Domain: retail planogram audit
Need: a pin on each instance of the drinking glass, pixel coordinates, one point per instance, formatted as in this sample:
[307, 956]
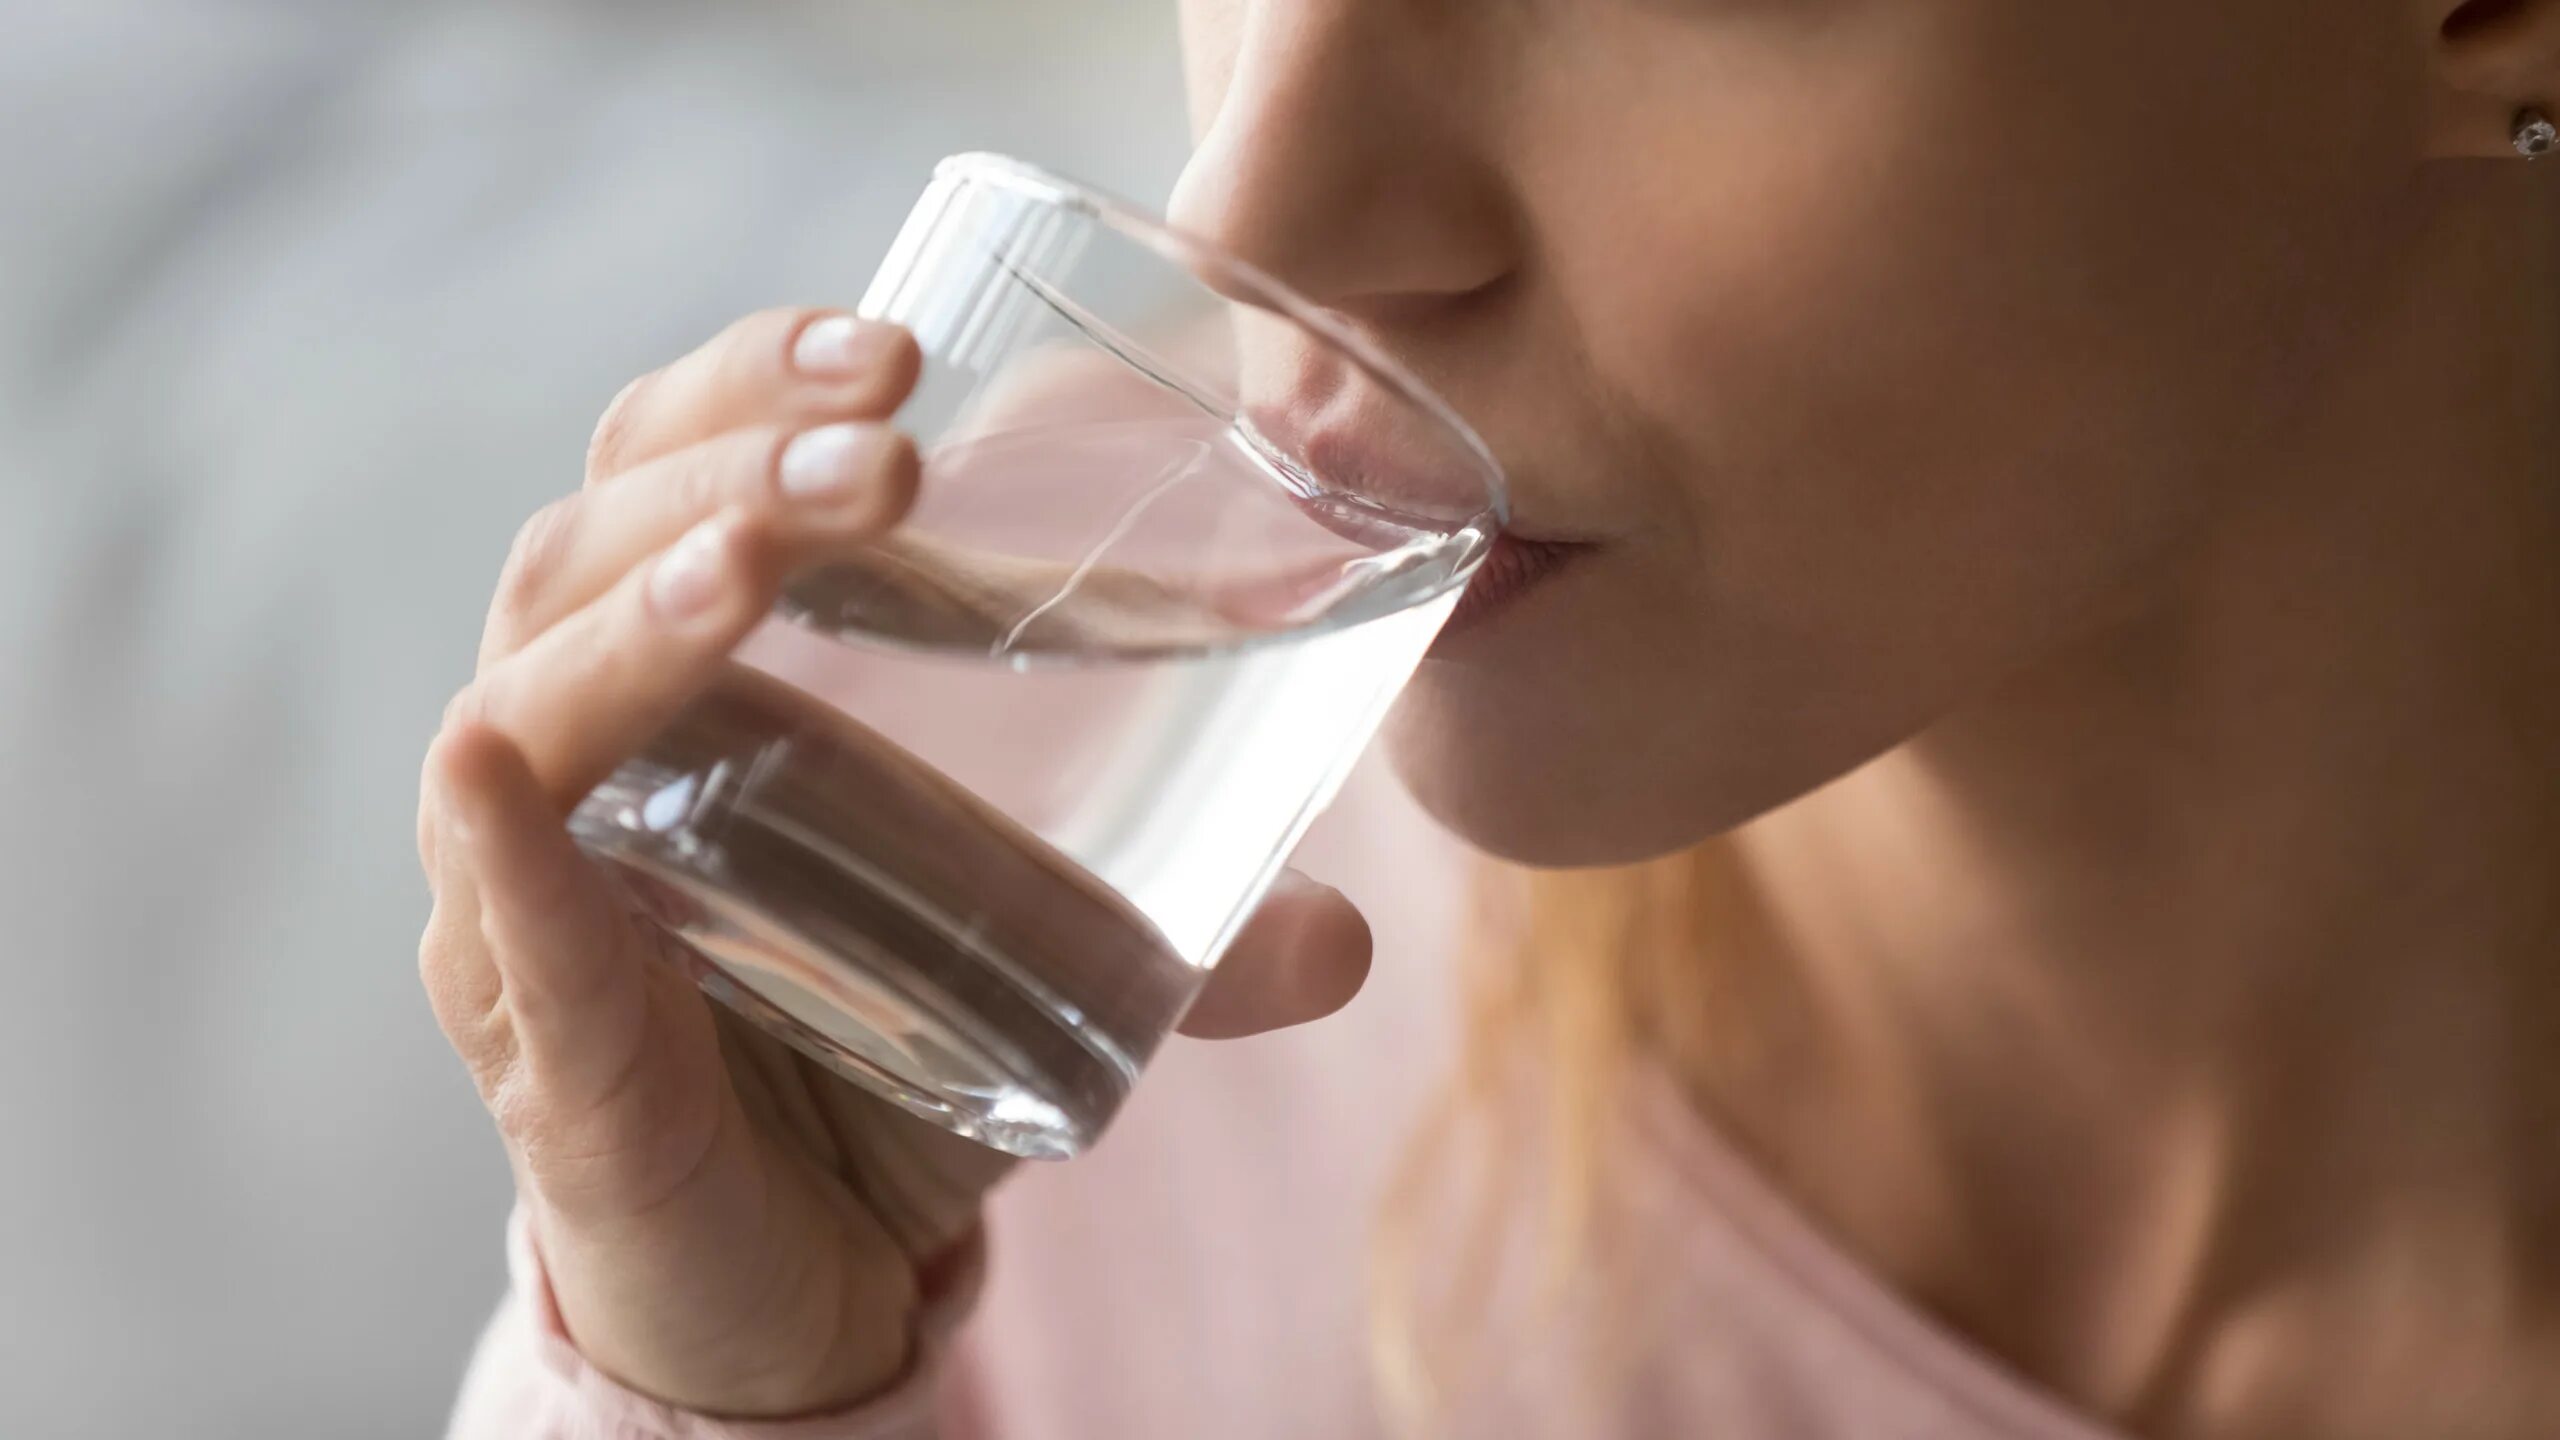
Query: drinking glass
[972, 816]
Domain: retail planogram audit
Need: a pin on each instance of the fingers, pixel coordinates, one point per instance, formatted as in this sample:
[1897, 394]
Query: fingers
[554, 938]
[793, 366]
[533, 885]
[600, 1063]
[588, 693]
[828, 486]
[1303, 956]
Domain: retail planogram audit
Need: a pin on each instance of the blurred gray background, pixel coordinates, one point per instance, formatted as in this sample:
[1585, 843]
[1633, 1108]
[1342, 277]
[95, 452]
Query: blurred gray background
[302, 307]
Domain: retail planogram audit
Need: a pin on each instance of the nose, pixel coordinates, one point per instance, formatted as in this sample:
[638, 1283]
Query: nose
[1337, 159]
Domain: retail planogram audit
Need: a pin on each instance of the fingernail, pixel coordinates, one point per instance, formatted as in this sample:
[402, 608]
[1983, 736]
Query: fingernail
[833, 347]
[688, 577]
[829, 462]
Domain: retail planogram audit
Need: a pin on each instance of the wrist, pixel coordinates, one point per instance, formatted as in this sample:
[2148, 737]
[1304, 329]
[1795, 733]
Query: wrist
[729, 1337]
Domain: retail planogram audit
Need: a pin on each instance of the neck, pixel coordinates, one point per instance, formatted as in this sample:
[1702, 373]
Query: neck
[2179, 1019]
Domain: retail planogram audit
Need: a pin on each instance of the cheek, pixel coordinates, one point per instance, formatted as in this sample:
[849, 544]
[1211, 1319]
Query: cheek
[1952, 310]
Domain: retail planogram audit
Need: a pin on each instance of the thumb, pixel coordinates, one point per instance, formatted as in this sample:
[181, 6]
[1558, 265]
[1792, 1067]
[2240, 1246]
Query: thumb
[1301, 957]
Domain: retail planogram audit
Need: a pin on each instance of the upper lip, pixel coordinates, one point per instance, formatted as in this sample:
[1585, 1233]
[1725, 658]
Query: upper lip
[1388, 473]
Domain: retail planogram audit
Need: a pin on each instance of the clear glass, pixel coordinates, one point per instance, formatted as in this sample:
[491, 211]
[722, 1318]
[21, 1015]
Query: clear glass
[972, 817]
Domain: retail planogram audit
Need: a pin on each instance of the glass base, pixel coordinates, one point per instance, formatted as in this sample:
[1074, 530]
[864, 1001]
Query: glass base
[875, 1023]
[877, 917]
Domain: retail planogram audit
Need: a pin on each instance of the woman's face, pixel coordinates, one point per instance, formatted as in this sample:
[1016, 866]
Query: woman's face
[1875, 348]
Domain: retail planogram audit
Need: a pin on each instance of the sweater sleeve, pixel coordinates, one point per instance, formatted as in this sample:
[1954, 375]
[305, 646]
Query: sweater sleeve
[527, 1381]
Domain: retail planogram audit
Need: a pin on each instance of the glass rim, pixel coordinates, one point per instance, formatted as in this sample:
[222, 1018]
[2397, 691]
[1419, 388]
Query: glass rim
[1268, 292]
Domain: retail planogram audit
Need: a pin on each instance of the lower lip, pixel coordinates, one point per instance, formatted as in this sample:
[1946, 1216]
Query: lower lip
[1513, 569]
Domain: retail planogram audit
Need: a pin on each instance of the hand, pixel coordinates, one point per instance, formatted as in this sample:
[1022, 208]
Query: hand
[726, 1226]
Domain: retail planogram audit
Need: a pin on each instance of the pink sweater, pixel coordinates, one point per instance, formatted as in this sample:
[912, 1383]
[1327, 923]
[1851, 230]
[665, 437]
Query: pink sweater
[1201, 1272]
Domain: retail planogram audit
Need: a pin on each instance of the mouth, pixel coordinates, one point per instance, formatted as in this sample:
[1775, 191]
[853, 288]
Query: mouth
[1515, 567]
[1381, 471]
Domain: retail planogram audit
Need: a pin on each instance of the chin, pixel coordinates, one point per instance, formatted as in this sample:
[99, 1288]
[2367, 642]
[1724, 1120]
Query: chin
[1539, 774]
[1507, 788]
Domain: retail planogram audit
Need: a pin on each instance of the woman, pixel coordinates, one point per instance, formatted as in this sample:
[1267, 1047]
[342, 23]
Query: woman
[2040, 710]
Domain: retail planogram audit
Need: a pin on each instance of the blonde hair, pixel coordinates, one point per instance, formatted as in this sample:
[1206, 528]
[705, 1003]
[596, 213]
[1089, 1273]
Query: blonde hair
[1577, 977]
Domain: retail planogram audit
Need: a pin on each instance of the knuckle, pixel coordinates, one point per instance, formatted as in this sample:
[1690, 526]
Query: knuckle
[446, 964]
[430, 791]
[488, 1051]
[518, 1109]
[437, 946]
[611, 443]
[466, 999]
[534, 558]
[732, 472]
[718, 476]
[435, 783]
[467, 707]
[565, 1151]
[429, 853]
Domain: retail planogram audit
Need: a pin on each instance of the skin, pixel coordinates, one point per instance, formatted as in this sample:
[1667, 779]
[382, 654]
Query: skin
[2070, 499]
